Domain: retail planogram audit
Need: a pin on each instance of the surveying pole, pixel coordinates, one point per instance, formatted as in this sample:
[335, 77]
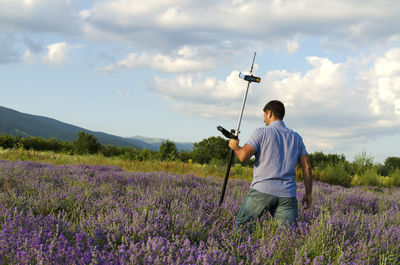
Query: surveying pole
[233, 134]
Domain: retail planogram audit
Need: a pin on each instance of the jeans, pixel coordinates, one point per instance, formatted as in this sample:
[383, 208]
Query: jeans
[283, 209]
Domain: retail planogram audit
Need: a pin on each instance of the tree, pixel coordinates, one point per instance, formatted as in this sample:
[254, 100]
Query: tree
[184, 155]
[109, 150]
[212, 148]
[319, 159]
[7, 141]
[390, 165]
[168, 150]
[86, 144]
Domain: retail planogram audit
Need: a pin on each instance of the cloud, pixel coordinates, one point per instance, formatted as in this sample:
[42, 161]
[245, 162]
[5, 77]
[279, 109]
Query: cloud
[384, 81]
[292, 46]
[25, 23]
[38, 16]
[16, 49]
[28, 57]
[187, 88]
[57, 53]
[329, 108]
[120, 93]
[33, 46]
[9, 53]
[172, 23]
[163, 63]
[216, 29]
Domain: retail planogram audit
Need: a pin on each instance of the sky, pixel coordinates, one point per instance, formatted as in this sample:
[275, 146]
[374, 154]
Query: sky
[169, 69]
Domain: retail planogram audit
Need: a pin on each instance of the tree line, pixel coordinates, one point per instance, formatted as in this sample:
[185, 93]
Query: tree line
[210, 150]
[213, 149]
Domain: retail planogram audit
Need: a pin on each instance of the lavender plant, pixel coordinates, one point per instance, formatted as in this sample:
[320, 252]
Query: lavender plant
[104, 215]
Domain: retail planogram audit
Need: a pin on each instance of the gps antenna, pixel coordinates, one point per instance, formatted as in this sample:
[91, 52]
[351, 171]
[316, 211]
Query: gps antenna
[235, 133]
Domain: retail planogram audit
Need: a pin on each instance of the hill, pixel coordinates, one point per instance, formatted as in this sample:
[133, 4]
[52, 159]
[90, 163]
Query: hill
[156, 142]
[27, 125]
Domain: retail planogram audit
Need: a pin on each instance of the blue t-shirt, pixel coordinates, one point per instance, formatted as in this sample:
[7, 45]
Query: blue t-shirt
[277, 151]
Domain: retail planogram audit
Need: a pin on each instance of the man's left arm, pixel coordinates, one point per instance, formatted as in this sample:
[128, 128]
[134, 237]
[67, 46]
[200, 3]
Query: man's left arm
[243, 153]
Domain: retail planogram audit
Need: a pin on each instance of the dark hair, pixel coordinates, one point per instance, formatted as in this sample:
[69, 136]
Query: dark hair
[276, 107]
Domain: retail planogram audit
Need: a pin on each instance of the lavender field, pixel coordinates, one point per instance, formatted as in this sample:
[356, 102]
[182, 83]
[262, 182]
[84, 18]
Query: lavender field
[104, 215]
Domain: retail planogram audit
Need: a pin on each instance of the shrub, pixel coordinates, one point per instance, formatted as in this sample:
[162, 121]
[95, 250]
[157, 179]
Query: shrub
[395, 178]
[184, 156]
[371, 177]
[361, 163]
[336, 174]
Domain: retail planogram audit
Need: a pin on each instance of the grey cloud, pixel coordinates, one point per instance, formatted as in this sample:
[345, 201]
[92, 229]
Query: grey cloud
[164, 26]
[34, 46]
[8, 51]
[177, 23]
[42, 16]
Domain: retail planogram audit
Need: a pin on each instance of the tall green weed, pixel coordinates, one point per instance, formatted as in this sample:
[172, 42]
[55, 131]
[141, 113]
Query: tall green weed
[394, 178]
[336, 174]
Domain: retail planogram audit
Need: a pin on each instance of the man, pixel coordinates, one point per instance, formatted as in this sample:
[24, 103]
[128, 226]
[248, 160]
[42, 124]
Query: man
[277, 150]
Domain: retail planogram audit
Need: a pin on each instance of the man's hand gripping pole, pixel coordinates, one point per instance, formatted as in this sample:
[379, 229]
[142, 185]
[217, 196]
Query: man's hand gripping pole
[235, 133]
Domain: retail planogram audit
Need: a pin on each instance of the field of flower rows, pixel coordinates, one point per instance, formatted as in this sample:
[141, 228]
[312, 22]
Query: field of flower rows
[104, 215]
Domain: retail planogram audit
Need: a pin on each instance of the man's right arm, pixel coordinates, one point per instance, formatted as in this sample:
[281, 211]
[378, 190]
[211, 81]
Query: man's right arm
[307, 175]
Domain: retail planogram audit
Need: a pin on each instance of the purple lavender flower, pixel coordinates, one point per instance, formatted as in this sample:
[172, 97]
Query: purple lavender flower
[79, 214]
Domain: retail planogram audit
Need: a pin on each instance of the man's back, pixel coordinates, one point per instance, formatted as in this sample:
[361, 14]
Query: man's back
[277, 152]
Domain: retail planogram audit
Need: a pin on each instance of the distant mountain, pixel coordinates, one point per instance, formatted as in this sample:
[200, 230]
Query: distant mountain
[26, 125]
[156, 142]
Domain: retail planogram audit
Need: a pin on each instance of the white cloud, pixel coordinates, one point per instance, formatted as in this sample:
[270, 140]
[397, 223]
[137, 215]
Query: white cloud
[187, 51]
[120, 93]
[315, 86]
[388, 65]
[323, 103]
[28, 57]
[292, 46]
[384, 82]
[124, 94]
[57, 53]
[163, 63]
[187, 88]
